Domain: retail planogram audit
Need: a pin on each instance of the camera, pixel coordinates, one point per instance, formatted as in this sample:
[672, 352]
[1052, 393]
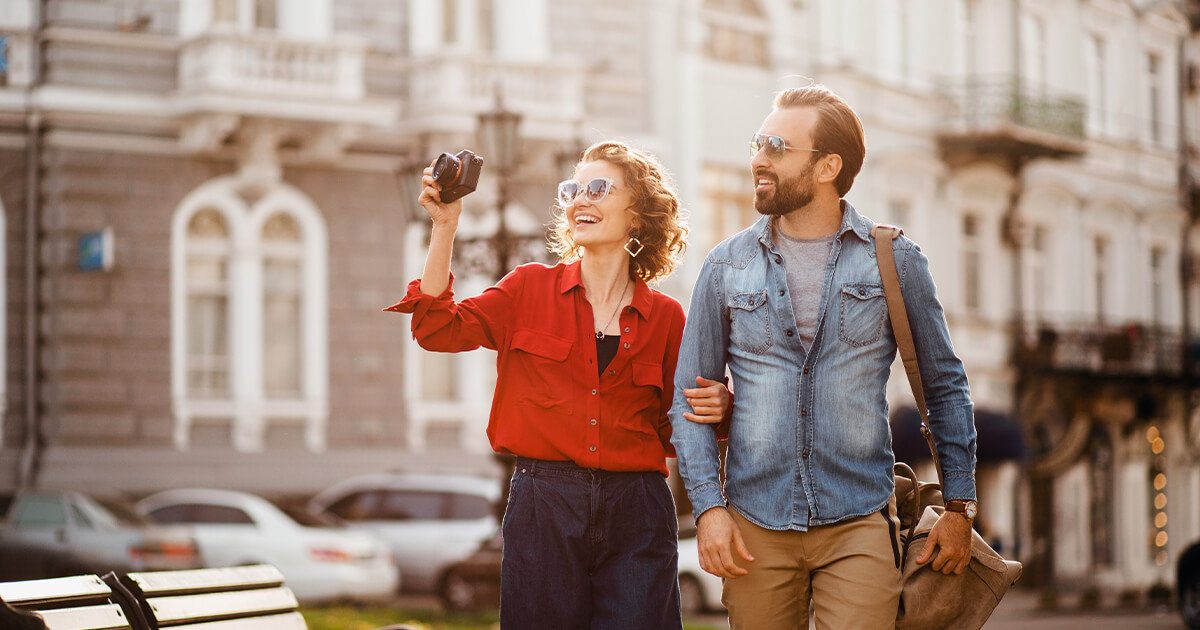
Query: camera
[457, 174]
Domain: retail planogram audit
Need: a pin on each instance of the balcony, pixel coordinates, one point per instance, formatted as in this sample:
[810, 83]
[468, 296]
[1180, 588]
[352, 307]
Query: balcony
[265, 74]
[446, 93]
[1131, 352]
[999, 117]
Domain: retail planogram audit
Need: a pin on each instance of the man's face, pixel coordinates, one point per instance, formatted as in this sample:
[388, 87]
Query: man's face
[786, 183]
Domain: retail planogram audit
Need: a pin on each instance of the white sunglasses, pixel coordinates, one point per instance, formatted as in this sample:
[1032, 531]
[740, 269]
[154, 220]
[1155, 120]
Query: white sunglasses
[594, 191]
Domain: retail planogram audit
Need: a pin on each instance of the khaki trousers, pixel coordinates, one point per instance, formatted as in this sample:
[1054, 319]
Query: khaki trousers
[849, 570]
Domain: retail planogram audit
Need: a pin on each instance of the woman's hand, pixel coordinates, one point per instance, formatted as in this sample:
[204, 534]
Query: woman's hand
[711, 402]
[442, 214]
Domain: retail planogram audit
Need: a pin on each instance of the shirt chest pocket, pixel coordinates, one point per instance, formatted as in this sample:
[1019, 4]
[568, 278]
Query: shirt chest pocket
[539, 363]
[750, 322]
[862, 313]
[647, 402]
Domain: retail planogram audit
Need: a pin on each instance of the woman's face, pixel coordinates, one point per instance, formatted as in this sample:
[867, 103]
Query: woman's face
[604, 222]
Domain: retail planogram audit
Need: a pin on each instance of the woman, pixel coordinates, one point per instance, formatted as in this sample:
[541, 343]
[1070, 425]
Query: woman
[586, 357]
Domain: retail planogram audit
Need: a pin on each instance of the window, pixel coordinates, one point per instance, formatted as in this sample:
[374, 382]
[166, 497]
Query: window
[449, 21]
[282, 331]
[1036, 260]
[1100, 277]
[729, 197]
[900, 214]
[972, 289]
[412, 505]
[468, 506]
[81, 520]
[1034, 45]
[439, 376]
[359, 506]
[1100, 490]
[208, 252]
[485, 13]
[1096, 60]
[40, 512]
[200, 514]
[225, 12]
[249, 295]
[1154, 96]
[736, 32]
[1157, 286]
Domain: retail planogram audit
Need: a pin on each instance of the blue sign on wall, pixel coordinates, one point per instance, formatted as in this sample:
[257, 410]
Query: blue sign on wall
[96, 250]
[3, 55]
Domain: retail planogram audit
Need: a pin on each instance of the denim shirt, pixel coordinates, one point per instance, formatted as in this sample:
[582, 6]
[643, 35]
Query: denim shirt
[809, 442]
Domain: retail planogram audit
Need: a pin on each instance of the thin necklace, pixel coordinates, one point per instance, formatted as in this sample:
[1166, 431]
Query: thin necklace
[600, 333]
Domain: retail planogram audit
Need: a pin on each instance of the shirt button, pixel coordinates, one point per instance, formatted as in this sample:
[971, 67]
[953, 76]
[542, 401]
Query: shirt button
[778, 260]
[626, 344]
[593, 449]
[612, 372]
[804, 412]
[781, 292]
[806, 370]
[593, 392]
[626, 329]
[803, 454]
[593, 422]
[862, 292]
[791, 333]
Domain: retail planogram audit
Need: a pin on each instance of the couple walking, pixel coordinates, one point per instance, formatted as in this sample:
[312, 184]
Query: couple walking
[600, 380]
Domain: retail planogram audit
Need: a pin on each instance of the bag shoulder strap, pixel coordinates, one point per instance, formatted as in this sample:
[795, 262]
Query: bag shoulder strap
[884, 235]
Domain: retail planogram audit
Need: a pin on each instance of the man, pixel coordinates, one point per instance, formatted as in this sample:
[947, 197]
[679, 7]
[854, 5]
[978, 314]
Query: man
[795, 307]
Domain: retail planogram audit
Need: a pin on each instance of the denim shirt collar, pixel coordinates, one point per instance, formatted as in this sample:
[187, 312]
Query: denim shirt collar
[852, 222]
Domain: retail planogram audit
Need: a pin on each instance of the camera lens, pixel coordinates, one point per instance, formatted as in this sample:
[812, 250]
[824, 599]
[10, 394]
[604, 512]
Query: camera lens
[445, 170]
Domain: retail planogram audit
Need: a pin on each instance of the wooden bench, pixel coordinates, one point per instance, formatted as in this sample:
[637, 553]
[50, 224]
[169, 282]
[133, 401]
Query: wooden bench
[237, 598]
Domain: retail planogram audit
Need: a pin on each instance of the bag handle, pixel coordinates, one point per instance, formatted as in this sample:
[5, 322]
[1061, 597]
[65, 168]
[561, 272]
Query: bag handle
[884, 235]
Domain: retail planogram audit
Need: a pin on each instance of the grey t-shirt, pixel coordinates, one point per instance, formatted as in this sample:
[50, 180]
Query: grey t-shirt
[805, 259]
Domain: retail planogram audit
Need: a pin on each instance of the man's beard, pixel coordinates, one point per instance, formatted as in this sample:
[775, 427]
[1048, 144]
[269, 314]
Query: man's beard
[789, 195]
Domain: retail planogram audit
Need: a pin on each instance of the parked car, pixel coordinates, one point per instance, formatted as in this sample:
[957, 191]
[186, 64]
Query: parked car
[57, 534]
[474, 582]
[1187, 584]
[431, 521]
[319, 562]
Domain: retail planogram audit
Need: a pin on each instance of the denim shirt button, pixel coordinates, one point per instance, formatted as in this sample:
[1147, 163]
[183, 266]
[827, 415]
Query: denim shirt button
[806, 370]
[803, 454]
[804, 412]
[862, 292]
[778, 260]
[781, 292]
[791, 333]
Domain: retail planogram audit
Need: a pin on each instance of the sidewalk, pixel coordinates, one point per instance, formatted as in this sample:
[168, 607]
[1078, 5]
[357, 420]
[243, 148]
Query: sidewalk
[1025, 603]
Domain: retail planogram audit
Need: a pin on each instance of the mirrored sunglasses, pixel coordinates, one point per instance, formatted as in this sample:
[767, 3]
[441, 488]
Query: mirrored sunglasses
[594, 191]
[774, 145]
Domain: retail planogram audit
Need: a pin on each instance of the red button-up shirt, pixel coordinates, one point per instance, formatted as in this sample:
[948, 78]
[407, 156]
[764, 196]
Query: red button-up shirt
[549, 402]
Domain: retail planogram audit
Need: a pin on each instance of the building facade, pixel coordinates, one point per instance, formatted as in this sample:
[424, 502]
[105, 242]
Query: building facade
[250, 159]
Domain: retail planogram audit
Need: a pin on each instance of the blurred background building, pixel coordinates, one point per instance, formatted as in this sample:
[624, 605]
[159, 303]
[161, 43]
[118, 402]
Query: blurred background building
[207, 202]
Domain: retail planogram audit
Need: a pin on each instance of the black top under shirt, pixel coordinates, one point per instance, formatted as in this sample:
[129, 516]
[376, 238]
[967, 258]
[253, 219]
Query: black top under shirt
[606, 349]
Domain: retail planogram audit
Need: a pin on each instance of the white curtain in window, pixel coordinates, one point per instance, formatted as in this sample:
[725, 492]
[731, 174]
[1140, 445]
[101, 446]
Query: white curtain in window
[283, 337]
[208, 251]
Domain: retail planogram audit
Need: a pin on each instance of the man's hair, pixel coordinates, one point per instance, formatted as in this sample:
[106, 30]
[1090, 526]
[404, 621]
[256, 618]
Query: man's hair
[838, 129]
[661, 228]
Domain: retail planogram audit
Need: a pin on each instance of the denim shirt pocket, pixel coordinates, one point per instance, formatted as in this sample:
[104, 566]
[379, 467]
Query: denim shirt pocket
[862, 311]
[647, 385]
[750, 321]
[540, 361]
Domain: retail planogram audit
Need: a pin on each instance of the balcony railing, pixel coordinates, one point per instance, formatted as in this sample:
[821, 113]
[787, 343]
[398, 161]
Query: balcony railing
[999, 114]
[269, 65]
[457, 85]
[1131, 351]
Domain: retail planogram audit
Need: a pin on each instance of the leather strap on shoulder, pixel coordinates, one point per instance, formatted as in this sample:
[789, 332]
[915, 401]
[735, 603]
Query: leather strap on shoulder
[884, 235]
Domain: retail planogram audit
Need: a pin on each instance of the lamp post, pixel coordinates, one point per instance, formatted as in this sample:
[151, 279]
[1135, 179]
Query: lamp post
[500, 144]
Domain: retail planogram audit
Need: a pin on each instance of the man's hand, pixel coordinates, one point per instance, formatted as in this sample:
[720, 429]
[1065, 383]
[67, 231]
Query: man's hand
[717, 535]
[951, 535]
[710, 402]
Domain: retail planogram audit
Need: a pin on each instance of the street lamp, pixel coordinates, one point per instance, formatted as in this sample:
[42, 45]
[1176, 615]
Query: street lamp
[500, 144]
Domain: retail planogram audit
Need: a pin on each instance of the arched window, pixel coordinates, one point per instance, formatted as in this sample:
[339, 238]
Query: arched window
[1101, 485]
[208, 256]
[249, 313]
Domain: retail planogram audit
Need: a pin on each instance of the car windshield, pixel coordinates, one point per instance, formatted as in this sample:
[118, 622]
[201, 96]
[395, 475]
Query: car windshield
[120, 512]
[310, 520]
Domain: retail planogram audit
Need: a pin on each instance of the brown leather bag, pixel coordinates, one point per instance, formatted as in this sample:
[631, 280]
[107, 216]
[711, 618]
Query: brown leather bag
[931, 600]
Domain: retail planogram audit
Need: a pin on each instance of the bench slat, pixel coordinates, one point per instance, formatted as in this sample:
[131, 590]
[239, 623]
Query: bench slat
[289, 621]
[207, 580]
[178, 609]
[79, 588]
[105, 617]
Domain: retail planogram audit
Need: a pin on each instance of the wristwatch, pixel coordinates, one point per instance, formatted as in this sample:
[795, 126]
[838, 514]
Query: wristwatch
[967, 508]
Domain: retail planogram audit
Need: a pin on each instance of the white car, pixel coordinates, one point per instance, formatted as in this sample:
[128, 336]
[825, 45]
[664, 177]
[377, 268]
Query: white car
[318, 562]
[699, 590]
[430, 521]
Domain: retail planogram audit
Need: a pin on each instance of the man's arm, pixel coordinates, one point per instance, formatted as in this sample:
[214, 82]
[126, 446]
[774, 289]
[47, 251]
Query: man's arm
[951, 414]
[703, 352]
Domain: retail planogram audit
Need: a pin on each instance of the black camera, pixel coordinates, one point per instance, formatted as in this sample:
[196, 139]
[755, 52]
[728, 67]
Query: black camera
[457, 174]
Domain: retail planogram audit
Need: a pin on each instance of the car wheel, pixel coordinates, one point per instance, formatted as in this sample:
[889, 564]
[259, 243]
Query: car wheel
[691, 595]
[457, 593]
[1189, 600]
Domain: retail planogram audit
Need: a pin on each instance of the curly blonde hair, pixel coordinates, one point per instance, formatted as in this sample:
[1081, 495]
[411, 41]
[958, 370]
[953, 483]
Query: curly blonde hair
[660, 221]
